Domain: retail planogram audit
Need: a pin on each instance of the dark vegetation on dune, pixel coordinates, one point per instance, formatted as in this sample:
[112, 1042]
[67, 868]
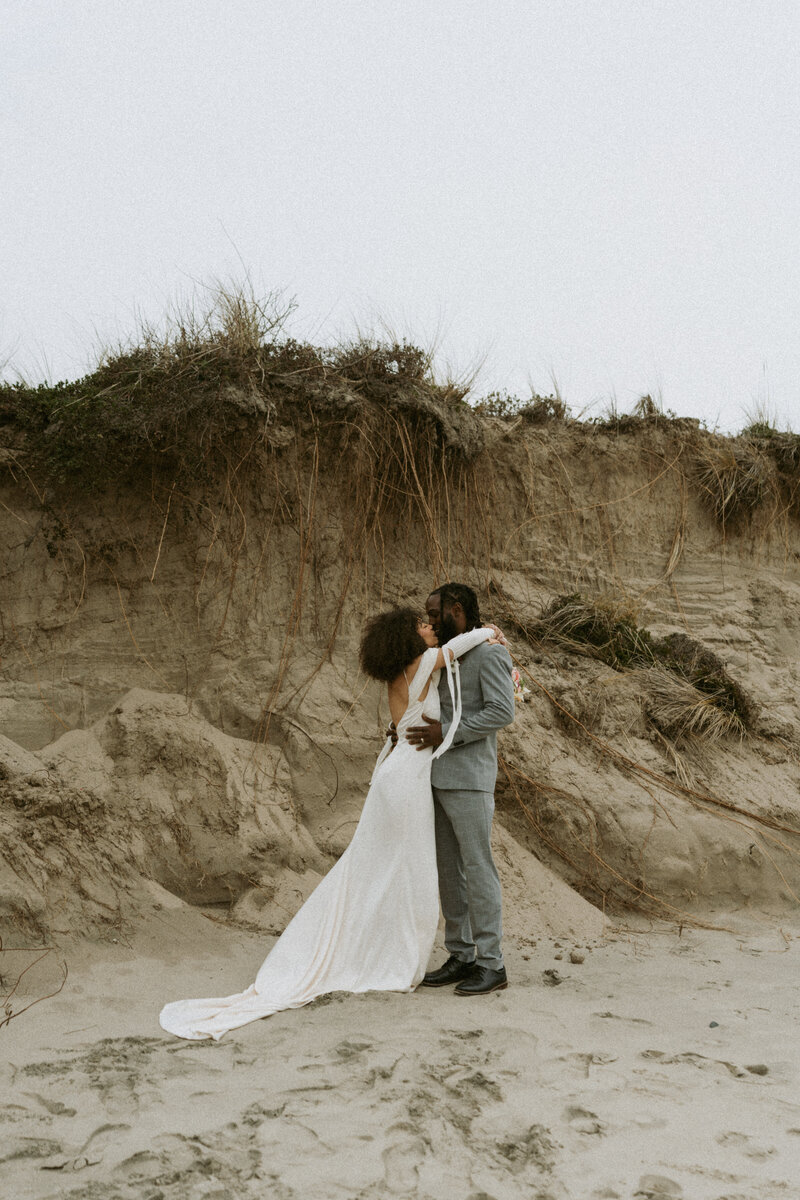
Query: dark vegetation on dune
[607, 629]
[206, 392]
[199, 391]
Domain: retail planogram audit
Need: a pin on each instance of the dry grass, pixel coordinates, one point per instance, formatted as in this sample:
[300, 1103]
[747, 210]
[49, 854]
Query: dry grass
[535, 410]
[681, 711]
[734, 480]
[646, 408]
[604, 627]
[205, 384]
[691, 661]
[647, 411]
[785, 451]
[704, 700]
[761, 420]
[229, 318]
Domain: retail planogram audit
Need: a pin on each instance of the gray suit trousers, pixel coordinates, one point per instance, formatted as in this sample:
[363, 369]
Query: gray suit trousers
[469, 886]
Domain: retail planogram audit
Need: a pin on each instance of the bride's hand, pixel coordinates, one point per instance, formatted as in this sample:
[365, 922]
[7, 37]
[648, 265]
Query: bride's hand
[499, 638]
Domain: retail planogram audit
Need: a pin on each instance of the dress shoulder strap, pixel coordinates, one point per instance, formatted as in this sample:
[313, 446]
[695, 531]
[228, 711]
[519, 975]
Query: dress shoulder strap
[423, 673]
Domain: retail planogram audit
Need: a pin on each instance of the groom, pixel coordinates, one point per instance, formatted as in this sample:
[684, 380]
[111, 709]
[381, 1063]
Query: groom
[463, 780]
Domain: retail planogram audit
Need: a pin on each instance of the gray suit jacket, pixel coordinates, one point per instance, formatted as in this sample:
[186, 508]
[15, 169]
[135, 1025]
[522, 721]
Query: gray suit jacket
[487, 704]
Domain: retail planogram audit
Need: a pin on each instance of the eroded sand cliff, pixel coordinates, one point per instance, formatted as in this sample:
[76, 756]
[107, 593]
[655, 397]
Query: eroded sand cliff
[182, 702]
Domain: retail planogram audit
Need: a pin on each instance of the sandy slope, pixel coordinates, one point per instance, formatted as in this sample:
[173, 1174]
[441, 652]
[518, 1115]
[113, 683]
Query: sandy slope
[612, 1082]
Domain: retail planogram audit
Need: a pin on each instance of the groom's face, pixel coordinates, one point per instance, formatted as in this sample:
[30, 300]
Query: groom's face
[444, 620]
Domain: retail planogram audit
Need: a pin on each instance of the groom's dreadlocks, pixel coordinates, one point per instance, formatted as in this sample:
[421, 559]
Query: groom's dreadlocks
[450, 593]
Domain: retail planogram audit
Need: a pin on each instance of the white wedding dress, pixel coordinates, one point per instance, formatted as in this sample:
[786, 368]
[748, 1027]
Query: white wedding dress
[370, 924]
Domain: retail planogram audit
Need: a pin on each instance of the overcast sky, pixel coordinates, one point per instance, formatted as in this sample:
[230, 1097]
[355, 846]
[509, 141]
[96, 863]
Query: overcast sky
[604, 191]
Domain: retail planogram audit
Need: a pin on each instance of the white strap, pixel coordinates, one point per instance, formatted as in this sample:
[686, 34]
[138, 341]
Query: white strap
[454, 685]
[459, 645]
[462, 642]
[422, 673]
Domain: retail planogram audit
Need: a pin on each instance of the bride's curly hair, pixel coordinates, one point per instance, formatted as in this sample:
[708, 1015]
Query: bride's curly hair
[391, 640]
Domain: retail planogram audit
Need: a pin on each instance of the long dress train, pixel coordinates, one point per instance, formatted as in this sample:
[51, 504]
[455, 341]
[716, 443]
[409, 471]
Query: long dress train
[370, 924]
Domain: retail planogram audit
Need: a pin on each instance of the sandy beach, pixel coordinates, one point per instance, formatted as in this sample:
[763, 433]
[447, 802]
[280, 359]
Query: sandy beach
[660, 1065]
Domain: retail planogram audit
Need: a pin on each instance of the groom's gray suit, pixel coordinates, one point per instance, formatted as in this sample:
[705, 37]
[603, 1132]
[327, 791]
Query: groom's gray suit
[463, 781]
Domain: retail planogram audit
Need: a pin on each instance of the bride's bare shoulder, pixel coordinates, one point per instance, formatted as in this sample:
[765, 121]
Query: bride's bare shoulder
[410, 671]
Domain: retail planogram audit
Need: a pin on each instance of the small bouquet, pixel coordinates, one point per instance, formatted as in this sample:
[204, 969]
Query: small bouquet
[520, 690]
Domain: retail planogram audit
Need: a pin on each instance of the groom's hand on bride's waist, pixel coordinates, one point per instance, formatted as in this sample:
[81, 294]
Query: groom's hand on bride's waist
[427, 735]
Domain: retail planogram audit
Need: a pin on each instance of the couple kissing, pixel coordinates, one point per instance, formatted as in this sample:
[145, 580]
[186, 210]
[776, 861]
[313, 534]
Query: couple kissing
[371, 922]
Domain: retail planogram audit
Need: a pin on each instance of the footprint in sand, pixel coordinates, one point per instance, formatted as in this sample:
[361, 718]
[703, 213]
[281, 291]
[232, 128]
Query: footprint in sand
[657, 1187]
[10, 1113]
[583, 1061]
[102, 1139]
[178, 1166]
[71, 1165]
[92, 1150]
[54, 1107]
[346, 1051]
[746, 1145]
[73, 1158]
[612, 1016]
[118, 1070]
[697, 1060]
[401, 1162]
[30, 1147]
[534, 1148]
[583, 1121]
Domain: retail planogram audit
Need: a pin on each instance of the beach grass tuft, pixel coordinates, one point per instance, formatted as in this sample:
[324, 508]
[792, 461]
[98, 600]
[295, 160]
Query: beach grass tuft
[734, 479]
[687, 687]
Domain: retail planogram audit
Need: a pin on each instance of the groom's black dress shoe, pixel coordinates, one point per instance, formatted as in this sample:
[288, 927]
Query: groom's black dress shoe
[453, 971]
[482, 980]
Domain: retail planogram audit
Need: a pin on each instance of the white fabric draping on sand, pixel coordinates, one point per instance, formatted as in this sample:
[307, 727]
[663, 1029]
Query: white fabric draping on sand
[371, 922]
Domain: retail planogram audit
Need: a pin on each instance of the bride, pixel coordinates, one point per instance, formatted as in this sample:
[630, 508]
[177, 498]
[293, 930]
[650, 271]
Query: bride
[370, 924]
